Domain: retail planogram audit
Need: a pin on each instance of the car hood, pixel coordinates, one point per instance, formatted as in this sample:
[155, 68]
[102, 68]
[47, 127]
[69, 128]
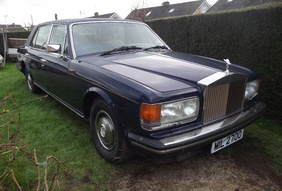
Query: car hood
[161, 72]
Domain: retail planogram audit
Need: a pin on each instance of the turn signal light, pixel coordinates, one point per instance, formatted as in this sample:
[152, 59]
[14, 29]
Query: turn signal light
[150, 112]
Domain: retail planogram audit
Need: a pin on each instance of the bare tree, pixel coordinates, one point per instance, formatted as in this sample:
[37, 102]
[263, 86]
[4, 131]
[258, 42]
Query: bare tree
[138, 11]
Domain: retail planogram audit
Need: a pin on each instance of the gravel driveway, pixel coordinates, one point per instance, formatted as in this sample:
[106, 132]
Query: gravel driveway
[237, 168]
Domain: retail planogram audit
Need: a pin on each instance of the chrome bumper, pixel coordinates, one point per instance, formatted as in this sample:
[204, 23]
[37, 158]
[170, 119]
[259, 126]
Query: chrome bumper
[197, 138]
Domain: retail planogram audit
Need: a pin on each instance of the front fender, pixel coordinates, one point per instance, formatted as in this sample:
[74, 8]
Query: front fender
[93, 93]
[22, 66]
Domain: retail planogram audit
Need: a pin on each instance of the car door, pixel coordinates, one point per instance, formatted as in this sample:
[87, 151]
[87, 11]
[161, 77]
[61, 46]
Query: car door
[36, 50]
[55, 63]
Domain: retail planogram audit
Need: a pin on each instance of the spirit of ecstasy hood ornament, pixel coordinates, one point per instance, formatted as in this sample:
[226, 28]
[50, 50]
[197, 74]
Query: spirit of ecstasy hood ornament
[227, 65]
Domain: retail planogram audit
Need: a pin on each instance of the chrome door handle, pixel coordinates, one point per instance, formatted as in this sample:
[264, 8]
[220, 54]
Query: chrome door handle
[43, 61]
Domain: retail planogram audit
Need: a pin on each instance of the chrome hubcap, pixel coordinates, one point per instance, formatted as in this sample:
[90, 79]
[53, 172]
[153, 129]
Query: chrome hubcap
[105, 130]
[29, 81]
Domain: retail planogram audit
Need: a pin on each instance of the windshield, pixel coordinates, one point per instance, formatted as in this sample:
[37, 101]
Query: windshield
[99, 37]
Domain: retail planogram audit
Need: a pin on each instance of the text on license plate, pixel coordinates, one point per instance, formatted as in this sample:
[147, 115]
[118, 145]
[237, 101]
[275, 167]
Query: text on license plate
[226, 141]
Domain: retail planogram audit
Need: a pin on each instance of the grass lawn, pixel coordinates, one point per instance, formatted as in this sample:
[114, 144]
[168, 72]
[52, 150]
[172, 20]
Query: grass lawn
[267, 135]
[52, 129]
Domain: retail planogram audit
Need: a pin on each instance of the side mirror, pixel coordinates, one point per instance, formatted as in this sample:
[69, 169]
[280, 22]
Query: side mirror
[54, 48]
[22, 50]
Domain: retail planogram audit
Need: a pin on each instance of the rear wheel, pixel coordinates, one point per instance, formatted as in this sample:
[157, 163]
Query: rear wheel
[108, 137]
[29, 83]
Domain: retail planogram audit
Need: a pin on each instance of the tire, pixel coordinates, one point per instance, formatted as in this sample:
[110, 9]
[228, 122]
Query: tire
[31, 87]
[108, 137]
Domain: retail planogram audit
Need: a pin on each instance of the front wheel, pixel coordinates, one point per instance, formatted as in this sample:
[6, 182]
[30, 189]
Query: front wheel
[108, 137]
[29, 83]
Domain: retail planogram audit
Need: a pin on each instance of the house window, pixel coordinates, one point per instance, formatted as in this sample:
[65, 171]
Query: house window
[204, 9]
[148, 13]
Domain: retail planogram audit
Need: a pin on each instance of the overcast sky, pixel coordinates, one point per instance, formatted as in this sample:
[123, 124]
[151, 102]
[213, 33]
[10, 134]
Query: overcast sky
[23, 12]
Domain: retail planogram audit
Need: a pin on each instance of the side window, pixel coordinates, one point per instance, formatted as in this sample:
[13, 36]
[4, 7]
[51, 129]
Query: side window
[58, 35]
[66, 47]
[41, 37]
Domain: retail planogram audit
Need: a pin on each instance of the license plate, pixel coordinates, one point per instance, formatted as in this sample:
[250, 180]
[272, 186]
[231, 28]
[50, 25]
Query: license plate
[226, 141]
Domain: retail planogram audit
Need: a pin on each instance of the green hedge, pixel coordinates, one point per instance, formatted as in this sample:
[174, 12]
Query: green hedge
[250, 37]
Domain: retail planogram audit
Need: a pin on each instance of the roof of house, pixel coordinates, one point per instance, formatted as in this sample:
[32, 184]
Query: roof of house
[222, 5]
[166, 10]
[11, 27]
[105, 16]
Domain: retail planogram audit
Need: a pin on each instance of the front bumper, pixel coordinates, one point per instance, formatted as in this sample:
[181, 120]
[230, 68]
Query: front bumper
[195, 140]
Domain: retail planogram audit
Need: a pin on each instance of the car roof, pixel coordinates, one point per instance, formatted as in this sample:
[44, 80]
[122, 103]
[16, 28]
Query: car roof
[71, 21]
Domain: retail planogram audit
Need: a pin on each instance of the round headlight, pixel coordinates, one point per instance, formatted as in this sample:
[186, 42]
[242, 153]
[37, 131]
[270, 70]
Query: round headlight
[251, 89]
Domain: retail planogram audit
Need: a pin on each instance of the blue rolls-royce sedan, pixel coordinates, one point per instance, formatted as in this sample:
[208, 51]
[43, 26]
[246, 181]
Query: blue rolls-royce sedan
[138, 95]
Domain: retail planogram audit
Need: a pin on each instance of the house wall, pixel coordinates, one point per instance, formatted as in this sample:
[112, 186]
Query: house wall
[249, 37]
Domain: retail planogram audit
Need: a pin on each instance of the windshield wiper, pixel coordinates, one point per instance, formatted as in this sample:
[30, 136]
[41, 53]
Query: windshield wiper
[122, 48]
[156, 47]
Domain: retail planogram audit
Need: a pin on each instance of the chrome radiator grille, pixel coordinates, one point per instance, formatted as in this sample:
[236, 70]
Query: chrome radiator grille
[223, 95]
